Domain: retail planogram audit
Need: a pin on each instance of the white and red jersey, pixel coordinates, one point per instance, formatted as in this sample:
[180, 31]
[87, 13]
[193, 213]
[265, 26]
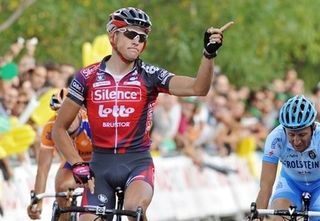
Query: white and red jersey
[120, 112]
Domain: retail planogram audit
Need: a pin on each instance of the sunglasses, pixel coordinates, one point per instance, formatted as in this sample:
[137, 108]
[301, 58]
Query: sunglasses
[132, 35]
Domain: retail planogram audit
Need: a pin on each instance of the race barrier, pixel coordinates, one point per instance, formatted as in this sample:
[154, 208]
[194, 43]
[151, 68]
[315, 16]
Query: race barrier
[183, 191]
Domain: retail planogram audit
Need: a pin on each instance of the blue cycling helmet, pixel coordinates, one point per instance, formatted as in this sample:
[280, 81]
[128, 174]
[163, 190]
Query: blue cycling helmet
[297, 113]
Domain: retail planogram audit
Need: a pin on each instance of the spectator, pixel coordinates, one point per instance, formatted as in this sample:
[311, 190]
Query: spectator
[67, 70]
[221, 84]
[38, 78]
[166, 119]
[227, 133]
[189, 129]
[55, 77]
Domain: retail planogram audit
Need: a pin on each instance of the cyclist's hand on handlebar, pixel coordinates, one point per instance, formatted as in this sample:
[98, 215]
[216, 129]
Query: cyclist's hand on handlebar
[34, 211]
[83, 174]
[213, 38]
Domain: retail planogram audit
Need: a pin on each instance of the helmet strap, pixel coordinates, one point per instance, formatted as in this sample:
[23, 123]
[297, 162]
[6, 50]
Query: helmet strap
[144, 46]
[123, 58]
[313, 128]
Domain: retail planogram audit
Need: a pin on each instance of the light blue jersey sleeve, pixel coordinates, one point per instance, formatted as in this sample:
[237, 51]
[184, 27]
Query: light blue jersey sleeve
[274, 145]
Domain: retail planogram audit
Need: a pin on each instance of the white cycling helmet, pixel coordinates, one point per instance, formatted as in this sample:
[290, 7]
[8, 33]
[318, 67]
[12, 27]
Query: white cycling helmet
[128, 16]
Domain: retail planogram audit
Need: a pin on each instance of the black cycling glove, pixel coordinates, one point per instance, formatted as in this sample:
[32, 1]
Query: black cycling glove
[210, 49]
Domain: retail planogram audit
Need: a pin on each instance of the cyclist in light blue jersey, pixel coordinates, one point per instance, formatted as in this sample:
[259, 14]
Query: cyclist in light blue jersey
[296, 144]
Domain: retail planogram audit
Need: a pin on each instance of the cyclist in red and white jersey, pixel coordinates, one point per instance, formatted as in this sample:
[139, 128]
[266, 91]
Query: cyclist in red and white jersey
[119, 93]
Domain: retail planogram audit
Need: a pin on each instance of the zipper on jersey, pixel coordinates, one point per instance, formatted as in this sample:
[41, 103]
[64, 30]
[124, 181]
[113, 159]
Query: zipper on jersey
[116, 104]
[116, 120]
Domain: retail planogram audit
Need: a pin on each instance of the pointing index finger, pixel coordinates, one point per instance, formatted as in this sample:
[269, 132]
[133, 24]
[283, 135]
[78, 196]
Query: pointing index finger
[223, 28]
[91, 185]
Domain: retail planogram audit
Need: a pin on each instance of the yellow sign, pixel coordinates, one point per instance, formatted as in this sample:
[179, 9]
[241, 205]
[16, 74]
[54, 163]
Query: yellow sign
[246, 149]
[17, 140]
[43, 112]
[92, 53]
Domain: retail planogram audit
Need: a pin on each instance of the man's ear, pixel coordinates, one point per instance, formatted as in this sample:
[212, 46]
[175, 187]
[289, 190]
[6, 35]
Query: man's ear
[112, 36]
[144, 47]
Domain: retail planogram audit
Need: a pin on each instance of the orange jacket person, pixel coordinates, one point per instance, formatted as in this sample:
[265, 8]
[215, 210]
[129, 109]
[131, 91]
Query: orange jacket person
[80, 134]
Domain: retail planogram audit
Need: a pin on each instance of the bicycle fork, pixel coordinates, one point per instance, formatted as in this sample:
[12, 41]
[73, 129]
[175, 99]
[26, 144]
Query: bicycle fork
[120, 200]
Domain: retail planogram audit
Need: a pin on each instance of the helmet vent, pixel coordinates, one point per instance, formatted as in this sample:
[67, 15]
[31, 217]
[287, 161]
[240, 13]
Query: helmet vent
[297, 113]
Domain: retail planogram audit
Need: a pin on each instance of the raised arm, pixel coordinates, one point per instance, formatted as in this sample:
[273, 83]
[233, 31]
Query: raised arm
[200, 85]
[188, 86]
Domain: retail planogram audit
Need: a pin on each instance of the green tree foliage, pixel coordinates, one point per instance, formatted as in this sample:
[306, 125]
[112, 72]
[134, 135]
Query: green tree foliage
[268, 36]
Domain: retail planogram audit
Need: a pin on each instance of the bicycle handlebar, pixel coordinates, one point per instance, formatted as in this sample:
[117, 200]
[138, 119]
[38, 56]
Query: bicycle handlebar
[35, 198]
[291, 212]
[100, 211]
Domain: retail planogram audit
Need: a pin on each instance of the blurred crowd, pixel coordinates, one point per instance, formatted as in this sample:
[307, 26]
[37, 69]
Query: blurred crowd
[22, 79]
[228, 120]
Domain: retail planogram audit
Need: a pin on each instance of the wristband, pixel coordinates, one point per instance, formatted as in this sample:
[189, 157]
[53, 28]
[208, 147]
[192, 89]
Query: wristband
[210, 48]
[209, 56]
